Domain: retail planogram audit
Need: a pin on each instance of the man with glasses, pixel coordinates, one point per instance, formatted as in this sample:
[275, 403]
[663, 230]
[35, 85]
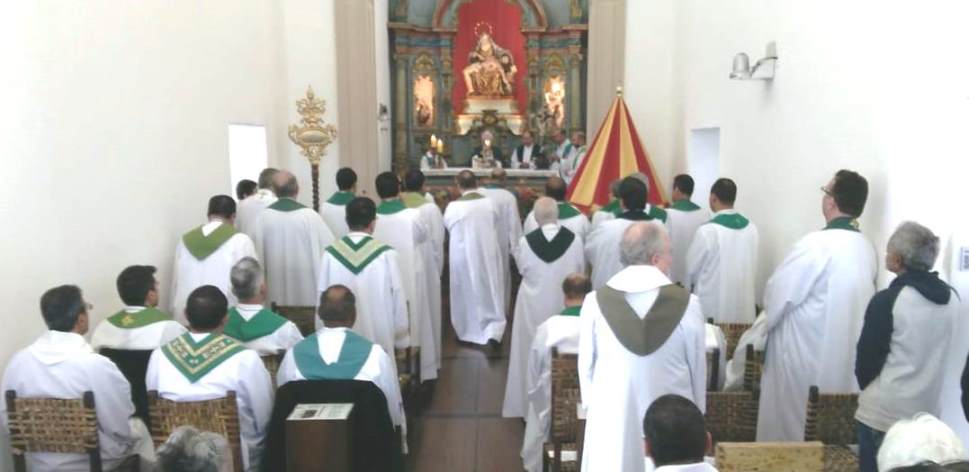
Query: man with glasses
[815, 304]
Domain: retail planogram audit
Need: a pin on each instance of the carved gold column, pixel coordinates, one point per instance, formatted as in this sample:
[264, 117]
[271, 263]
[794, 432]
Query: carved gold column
[575, 88]
[401, 112]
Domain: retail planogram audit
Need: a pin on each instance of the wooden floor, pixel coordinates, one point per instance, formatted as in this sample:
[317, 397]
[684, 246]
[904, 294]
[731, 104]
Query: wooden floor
[460, 429]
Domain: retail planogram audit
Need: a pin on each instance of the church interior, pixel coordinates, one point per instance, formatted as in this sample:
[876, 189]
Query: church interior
[120, 120]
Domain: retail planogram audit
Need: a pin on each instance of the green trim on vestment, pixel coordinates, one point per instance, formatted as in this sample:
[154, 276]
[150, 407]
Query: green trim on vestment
[356, 256]
[685, 205]
[731, 220]
[635, 215]
[471, 196]
[643, 336]
[138, 319]
[613, 207]
[202, 246]
[566, 211]
[353, 355]
[413, 199]
[263, 323]
[550, 251]
[286, 204]
[390, 207]
[196, 359]
[845, 222]
[571, 311]
[657, 213]
[341, 198]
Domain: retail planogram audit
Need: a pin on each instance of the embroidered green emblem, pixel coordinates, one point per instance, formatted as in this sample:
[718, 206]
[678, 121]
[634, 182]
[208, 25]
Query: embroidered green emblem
[202, 246]
[196, 359]
[356, 256]
[138, 319]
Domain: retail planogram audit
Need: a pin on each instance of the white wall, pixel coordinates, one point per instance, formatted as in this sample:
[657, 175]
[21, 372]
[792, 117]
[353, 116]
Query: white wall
[382, 55]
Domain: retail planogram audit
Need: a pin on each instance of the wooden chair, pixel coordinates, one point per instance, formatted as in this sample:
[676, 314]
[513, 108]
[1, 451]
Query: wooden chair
[272, 363]
[831, 420]
[56, 425]
[133, 364]
[753, 368]
[713, 370]
[732, 416]
[770, 457]
[219, 415]
[732, 333]
[304, 317]
[564, 431]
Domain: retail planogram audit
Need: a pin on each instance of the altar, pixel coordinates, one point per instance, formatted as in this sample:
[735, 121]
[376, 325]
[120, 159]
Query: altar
[527, 185]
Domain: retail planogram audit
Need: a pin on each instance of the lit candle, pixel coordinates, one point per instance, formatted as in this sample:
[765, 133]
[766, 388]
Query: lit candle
[440, 146]
[433, 141]
[487, 143]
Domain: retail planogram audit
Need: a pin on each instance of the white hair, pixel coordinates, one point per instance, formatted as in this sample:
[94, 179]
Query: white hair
[246, 278]
[546, 211]
[641, 242]
[915, 244]
[922, 438]
[191, 450]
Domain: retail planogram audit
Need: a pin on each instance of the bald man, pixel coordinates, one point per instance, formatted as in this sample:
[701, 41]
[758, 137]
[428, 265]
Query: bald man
[641, 337]
[569, 216]
[290, 239]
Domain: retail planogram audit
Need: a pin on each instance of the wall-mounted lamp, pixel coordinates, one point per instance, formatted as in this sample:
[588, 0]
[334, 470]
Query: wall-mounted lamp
[762, 70]
[383, 114]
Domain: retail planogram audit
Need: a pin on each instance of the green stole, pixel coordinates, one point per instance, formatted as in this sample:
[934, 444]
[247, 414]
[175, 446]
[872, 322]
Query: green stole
[635, 215]
[845, 222]
[390, 207]
[356, 256]
[202, 246]
[341, 198]
[138, 319]
[286, 205]
[196, 359]
[731, 220]
[263, 323]
[657, 213]
[685, 205]
[566, 211]
[413, 199]
[571, 311]
[550, 251]
[612, 207]
[353, 354]
[643, 336]
[470, 196]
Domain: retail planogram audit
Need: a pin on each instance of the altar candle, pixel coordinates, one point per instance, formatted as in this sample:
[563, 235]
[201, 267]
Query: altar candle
[433, 141]
[487, 143]
[440, 146]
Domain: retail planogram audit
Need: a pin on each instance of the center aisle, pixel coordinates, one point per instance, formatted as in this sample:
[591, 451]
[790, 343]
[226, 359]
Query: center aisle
[461, 429]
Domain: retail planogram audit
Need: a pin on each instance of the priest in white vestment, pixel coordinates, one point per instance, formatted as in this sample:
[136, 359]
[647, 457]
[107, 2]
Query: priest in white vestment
[676, 437]
[205, 254]
[641, 337]
[572, 161]
[560, 150]
[61, 364]
[432, 160]
[544, 257]
[252, 206]
[561, 332]
[337, 352]
[722, 261]
[405, 230]
[371, 269]
[600, 246]
[569, 216]
[815, 303]
[140, 325]
[414, 196]
[477, 305]
[683, 219]
[290, 239]
[333, 210]
[510, 231]
[204, 364]
[252, 323]
[528, 155]
[611, 210]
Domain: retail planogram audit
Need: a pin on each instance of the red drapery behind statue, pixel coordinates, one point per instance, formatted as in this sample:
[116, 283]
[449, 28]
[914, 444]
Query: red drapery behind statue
[505, 20]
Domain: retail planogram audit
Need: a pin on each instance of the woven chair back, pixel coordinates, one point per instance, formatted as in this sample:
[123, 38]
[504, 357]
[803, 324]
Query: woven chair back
[831, 417]
[565, 397]
[272, 363]
[53, 425]
[732, 416]
[732, 333]
[304, 317]
[219, 415]
[753, 368]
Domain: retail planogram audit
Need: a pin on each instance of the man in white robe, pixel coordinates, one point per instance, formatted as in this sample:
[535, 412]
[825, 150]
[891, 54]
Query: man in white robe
[683, 219]
[477, 305]
[611, 211]
[333, 210]
[290, 239]
[252, 206]
[722, 261]
[600, 246]
[510, 231]
[432, 160]
[405, 230]
[569, 216]
[336, 352]
[676, 437]
[61, 364]
[815, 303]
[641, 337]
[205, 254]
[250, 321]
[544, 257]
[561, 332]
[561, 149]
[371, 270]
[414, 196]
[140, 325]
[572, 162]
[528, 155]
[204, 364]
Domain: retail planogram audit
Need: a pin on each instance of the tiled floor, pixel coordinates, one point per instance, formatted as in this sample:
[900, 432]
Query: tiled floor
[461, 428]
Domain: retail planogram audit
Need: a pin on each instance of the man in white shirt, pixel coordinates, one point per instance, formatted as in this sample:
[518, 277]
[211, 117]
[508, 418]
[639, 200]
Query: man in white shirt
[721, 264]
[251, 207]
[528, 155]
[683, 219]
[140, 325]
[204, 364]
[61, 364]
[676, 437]
[569, 215]
[250, 321]
[205, 254]
[333, 210]
[641, 337]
